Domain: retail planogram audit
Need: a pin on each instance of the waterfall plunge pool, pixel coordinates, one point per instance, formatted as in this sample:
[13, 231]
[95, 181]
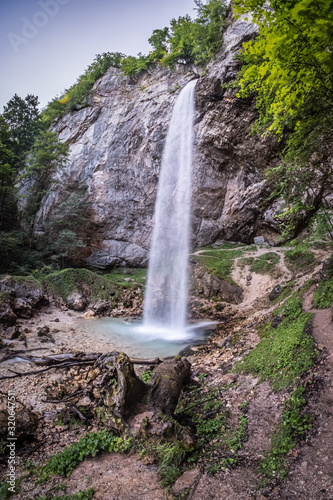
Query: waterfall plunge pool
[136, 340]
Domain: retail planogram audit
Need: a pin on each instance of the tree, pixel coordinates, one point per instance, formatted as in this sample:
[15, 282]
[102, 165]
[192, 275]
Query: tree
[46, 156]
[159, 40]
[22, 118]
[289, 66]
[7, 174]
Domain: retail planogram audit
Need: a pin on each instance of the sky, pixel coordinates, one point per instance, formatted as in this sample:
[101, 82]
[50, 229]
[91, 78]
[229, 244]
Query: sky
[45, 45]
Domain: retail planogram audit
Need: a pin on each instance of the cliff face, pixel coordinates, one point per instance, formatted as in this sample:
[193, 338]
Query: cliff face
[116, 148]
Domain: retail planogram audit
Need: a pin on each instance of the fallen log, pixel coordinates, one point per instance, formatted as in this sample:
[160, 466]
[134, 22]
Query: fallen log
[56, 359]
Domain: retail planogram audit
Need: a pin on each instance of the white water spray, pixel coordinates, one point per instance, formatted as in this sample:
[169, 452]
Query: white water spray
[167, 285]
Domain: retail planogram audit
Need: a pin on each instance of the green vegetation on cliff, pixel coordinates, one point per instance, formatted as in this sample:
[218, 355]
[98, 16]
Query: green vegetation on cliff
[69, 281]
[289, 66]
[186, 41]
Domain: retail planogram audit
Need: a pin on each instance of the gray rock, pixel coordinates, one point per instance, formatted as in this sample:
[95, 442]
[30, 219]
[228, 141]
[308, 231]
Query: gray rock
[76, 302]
[277, 320]
[7, 315]
[211, 286]
[22, 307]
[260, 240]
[116, 147]
[275, 292]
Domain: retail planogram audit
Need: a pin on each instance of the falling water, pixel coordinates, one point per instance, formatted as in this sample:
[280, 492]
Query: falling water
[167, 284]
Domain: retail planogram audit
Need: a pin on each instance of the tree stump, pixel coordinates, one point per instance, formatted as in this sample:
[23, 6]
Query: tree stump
[119, 386]
[166, 384]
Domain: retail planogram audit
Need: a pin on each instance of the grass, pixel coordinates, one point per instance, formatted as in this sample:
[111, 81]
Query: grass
[68, 281]
[218, 262]
[127, 277]
[217, 442]
[91, 444]
[266, 263]
[300, 259]
[146, 376]
[285, 352]
[323, 296]
[286, 291]
[293, 424]
[80, 495]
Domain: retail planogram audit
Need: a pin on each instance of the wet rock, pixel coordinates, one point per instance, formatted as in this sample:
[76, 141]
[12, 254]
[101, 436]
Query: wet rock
[212, 286]
[274, 294]
[29, 290]
[89, 314]
[101, 307]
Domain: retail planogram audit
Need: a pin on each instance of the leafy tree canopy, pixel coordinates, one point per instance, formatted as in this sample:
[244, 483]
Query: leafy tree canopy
[290, 66]
[22, 119]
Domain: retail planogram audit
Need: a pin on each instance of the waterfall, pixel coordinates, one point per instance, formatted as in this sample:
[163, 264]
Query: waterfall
[167, 283]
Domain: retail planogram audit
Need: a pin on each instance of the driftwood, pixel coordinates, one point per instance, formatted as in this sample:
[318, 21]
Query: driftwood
[65, 360]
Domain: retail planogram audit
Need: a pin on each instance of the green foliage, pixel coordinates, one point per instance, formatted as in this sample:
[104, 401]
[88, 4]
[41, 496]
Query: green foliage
[289, 67]
[146, 376]
[127, 277]
[286, 351]
[266, 263]
[299, 259]
[170, 456]
[291, 428]
[196, 41]
[68, 281]
[80, 495]
[15, 255]
[215, 437]
[89, 445]
[7, 175]
[46, 156]
[323, 296]
[22, 118]
[77, 96]
[4, 491]
[218, 263]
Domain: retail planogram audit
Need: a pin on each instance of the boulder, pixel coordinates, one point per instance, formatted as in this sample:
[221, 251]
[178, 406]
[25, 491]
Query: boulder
[22, 307]
[76, 302]
[211, 286]
[7, 315]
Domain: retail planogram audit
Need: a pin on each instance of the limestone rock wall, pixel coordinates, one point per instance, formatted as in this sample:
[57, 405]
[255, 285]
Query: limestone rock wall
[116, 146]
